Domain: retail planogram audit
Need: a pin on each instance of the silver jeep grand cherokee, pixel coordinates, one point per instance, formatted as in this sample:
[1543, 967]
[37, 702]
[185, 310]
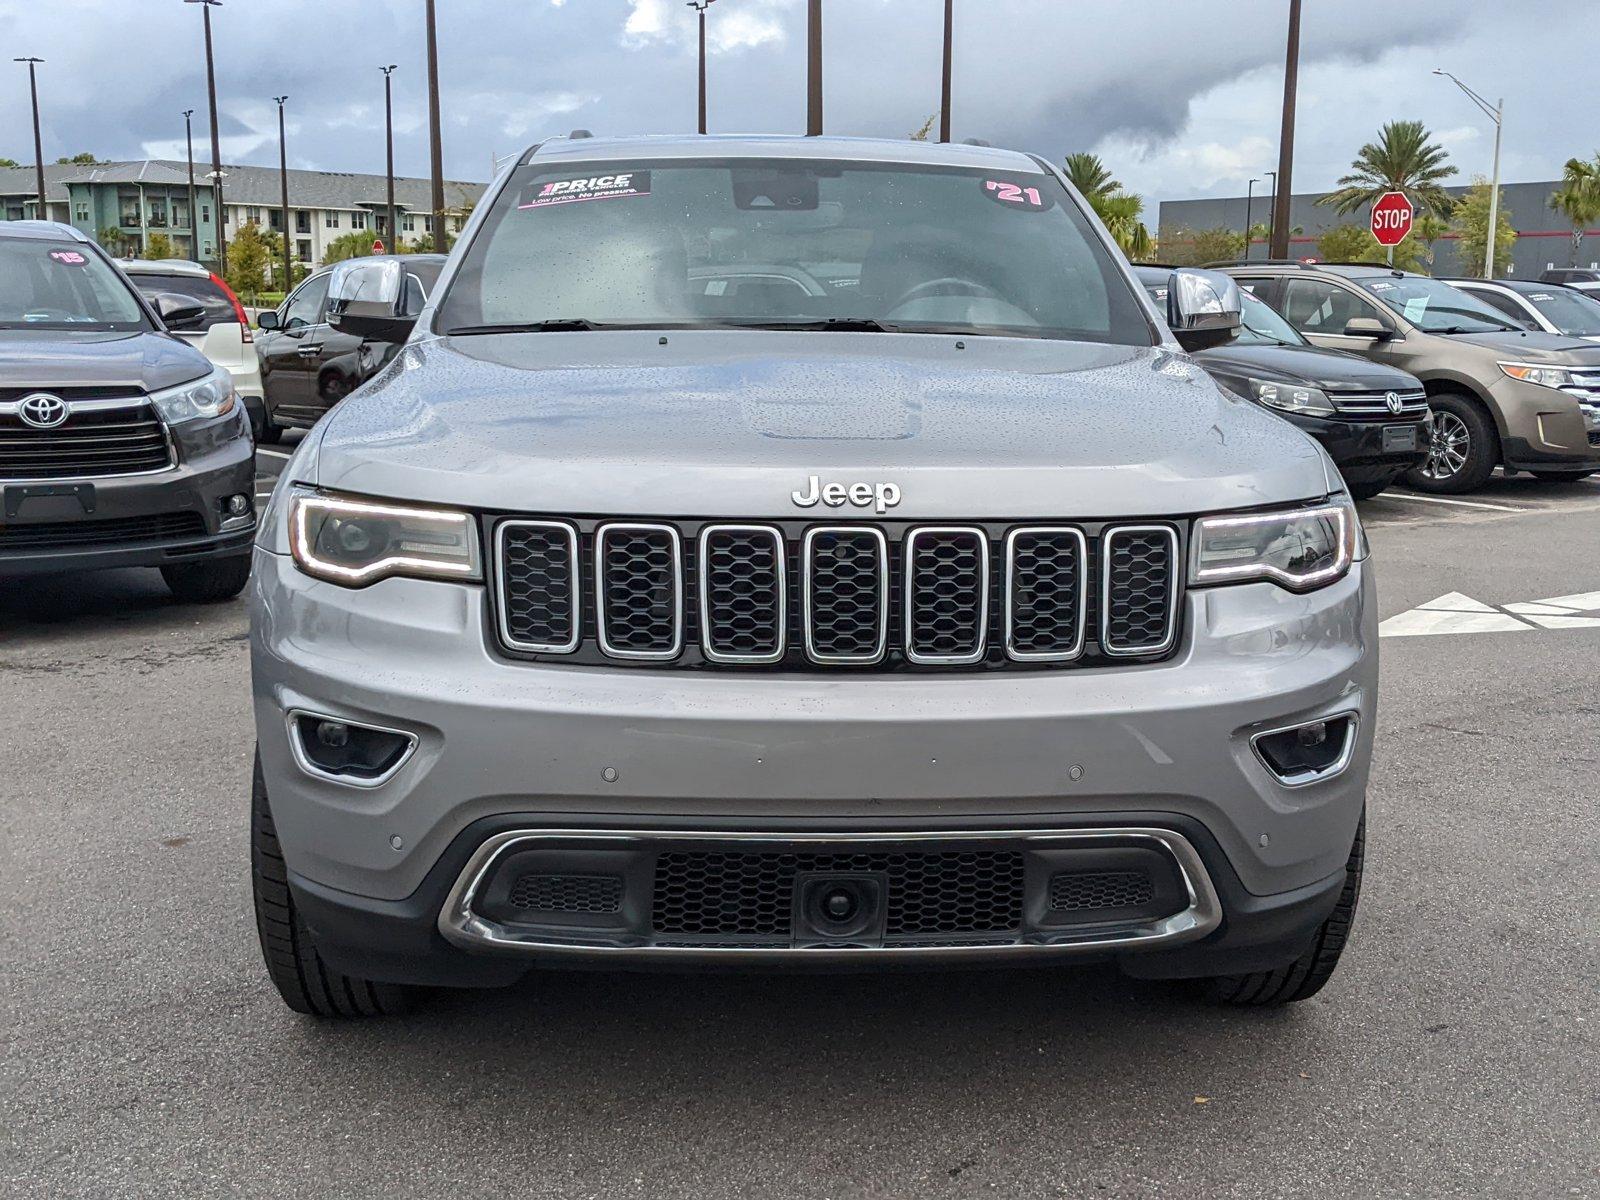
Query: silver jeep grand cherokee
[803, 552]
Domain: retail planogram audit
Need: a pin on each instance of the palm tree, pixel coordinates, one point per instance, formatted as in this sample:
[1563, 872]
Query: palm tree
[1117, 208]
[1578, 197]
[1402, 160]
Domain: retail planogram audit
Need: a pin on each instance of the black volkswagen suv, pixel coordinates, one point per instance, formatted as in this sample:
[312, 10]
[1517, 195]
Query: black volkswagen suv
[120, 445]
[1372, 419]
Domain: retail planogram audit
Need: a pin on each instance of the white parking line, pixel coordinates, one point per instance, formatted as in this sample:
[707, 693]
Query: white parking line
[1447, 500]
[275, 453]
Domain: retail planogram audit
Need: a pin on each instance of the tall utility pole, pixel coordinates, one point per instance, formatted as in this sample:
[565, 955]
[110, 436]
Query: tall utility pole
[388, 131]
[194, 232]
[814, 69]
[1249, 198]
[283, 177]
[944, 87]
[700, 7]
[216, 141]
[38, 145]
[1285, 187]
[436, 144]
[1497, 115]
[1272, 216]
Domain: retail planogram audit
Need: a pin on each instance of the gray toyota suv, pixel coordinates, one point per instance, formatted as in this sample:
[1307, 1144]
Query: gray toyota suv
[802, 552]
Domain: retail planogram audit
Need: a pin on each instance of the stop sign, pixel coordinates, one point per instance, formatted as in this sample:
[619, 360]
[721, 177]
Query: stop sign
[1391, 218]
[377, 246]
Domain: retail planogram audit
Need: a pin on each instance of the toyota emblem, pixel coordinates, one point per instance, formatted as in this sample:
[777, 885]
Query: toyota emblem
[1392, 399]
[42, 410]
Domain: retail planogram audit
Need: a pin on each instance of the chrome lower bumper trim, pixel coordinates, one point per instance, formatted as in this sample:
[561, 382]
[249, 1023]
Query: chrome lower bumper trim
[462, 926]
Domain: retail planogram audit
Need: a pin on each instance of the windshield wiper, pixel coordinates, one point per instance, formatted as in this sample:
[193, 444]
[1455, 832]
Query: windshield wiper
[836, 324]
[553, 325]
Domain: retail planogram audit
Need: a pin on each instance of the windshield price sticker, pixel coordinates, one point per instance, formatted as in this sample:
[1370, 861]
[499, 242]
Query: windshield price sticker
[1015, 195]
[70, 257]
[589, 187]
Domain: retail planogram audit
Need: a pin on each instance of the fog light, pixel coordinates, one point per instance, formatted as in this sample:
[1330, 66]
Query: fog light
[238, 505]
[362, 755]
[1307, 753]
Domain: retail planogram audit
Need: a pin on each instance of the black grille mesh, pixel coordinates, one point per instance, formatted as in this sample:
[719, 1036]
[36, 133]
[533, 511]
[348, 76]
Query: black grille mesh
[1077, 891]
[727, 894]
[945, 581]
[845, 594]
[121, 441]
[539, 577]
[741, 574]
[1139, 567]
[711, 593]
[640, 597]
[119, 531]
[1047, 593]
[1594, 437]
[567, 893]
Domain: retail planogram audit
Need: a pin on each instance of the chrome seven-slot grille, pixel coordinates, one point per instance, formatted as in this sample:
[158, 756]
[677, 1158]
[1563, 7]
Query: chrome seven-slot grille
[893, 595]
[1374, 406]
[106, 432]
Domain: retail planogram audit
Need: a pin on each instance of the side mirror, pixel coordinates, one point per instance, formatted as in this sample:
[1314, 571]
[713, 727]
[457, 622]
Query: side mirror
[179, 312]
[366, 298]
[1367, 327]
[1202, 308]
[269, 320]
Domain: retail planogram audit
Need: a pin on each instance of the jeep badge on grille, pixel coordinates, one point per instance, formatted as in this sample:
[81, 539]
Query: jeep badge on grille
[881, 496]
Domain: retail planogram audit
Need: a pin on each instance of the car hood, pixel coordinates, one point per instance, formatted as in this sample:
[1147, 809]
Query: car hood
[1558, 349]
[45, 359]
[730, 423]
[1332, 370]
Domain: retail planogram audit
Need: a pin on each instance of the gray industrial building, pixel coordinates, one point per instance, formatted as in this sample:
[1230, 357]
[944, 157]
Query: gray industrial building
[1544, 237]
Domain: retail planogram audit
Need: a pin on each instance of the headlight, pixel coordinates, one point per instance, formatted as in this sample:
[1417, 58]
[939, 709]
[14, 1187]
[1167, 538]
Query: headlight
[1299, 548]
[1552, 377]
[356, 542]
[1288, 397]
[212, 396]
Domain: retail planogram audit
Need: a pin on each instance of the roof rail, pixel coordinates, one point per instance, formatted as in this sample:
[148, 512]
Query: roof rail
[1260, 262]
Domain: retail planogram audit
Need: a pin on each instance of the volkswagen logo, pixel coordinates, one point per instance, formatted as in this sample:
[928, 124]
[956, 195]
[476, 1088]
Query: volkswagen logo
[42, 410]
[1392, 399]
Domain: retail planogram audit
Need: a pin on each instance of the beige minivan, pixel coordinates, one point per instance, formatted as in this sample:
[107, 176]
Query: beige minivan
[1501, 396]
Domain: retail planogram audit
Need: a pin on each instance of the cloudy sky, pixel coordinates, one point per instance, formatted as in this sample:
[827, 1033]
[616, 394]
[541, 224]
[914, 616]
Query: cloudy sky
[1180, 96]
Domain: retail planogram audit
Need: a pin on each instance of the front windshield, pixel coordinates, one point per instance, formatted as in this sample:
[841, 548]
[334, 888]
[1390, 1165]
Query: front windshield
[788, 243]
[1436, 307]
[1571, 312]
[48, 284]
[1260, 324]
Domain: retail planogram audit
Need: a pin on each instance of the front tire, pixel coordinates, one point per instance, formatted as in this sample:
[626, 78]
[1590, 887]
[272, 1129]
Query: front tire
[304, 980]
[267, 431]
[1465, 448]
[1305, 976]
[1369, 488]
[208, 582]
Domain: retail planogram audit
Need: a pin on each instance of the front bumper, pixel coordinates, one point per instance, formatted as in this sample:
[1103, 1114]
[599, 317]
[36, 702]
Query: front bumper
[510, 746]
[1361, 449]
[217, 463]
[1546, 429]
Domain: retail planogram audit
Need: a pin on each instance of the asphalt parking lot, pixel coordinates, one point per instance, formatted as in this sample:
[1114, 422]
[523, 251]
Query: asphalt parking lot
[1454, 1054]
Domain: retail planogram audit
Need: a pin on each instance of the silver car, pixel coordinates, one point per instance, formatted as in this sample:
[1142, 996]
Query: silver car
[804, 552]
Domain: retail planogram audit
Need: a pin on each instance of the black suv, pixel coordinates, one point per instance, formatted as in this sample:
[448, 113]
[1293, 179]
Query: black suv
[308, 366]
[120, 445]
[1372, 419]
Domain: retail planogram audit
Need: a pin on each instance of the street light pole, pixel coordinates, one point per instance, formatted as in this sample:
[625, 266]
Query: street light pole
[814, 68]
[388, 127]
[1497, 115]
[435, 141]
[216, 141]
[1285, 187]
[700, 7]
[1249, 199]
[38, 144]
[944, 86]
[188, 138]
[283, 177]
